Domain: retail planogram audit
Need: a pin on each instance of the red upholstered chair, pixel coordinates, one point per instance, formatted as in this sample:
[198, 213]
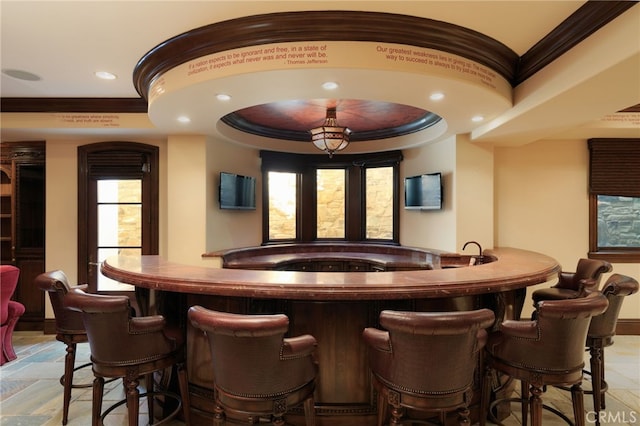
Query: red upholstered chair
[69, 329]
[425, 361]
[257, 371]
[545, 351]
[574, 284]
[601, 332]
[129, 347]
[10, 310]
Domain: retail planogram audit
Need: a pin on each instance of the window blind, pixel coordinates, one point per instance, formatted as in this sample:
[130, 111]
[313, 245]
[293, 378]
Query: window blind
[614, 167]
[117, 164]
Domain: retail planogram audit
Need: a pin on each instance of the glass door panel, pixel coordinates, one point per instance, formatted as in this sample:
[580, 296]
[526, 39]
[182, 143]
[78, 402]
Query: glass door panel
[119, 215]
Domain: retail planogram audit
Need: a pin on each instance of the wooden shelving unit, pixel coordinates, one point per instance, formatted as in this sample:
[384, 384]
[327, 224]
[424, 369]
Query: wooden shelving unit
[22, 220]
[6, 216]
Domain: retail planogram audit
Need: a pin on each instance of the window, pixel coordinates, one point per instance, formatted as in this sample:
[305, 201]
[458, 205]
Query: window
[314, 197]
[330, 203]
[614, 199]
[379, 203]
[283, 193]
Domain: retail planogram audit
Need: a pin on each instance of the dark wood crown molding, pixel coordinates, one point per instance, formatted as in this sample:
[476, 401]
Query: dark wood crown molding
[97, 105]
[585, 21]
[635, 108]
[322, 26]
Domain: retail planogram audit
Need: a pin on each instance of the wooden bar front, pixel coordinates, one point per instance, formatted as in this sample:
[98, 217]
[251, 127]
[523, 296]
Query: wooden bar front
[333, 306]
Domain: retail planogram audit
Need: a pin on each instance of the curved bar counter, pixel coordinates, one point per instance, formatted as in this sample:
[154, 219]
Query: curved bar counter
[333, 306]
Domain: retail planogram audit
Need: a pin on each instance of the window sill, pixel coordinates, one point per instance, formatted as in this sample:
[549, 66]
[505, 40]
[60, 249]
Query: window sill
[615, 256]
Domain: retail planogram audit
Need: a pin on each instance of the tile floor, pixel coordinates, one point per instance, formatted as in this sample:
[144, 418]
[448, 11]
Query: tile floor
[31, 395]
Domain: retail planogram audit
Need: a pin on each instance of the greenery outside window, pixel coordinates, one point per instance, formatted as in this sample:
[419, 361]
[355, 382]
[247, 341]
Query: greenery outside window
[317, 198]
[614, 200]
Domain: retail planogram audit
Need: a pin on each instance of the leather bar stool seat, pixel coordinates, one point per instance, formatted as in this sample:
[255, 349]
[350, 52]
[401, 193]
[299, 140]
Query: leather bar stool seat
[129, 347]
[546, 351]
[571, 285]
[69, 330]
[603, 328]
[601, 332]
[258, 373]
[424, 362]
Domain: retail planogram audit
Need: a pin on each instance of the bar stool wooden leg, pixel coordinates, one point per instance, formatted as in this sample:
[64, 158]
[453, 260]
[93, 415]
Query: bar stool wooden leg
[218, 416]
[96, 406]
[463, 416]
[183, 383]
[131, 384]
[577, 397]
[484, 396]
[536, 405]
[382, 409]
[396, 415]
[597, 377]
[69, 364]
[148, 381]
[524, 393]
[309, 412]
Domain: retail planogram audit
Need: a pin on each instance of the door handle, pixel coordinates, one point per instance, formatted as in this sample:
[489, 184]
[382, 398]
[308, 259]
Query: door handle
[95, 263]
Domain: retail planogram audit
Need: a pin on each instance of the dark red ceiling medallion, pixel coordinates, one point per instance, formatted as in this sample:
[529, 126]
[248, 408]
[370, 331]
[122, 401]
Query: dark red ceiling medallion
[368, 120]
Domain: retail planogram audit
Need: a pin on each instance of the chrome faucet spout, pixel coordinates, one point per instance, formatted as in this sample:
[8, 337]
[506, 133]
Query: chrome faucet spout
[473, 242]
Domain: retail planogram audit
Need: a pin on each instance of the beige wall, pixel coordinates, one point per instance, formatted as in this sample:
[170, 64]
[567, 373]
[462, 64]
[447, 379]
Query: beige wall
[532, 197]
[474, 194]
[542, 205]
[467, 212]
[430, 228]
[196, 223]
[232, 228]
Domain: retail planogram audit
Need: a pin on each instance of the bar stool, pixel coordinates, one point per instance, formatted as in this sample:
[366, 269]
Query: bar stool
[69, 330]
[425, 361]
[574, 284]
[546, 351]
[258, 372]
[129, 347]
[601, 332]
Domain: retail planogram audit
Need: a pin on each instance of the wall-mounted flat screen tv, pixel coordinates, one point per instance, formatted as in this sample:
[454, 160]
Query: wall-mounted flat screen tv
[423, 192]
[237, 192]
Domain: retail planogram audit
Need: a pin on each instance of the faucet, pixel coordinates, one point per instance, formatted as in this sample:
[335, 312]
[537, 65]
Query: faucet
[480, 257]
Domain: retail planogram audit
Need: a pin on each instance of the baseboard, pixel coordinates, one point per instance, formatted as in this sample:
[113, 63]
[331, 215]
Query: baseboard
[49, 326]
[628, 327]
[28, 326]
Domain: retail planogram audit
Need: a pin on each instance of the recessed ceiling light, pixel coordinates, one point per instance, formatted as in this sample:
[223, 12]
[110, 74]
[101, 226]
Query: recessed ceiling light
[21, 75]
[184, 119]
[477, 118]
[330, 85]
[436, 96]
[223, 97]
[105, 75]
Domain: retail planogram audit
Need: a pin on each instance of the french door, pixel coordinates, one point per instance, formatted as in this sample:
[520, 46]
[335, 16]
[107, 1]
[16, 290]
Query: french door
[117, 208]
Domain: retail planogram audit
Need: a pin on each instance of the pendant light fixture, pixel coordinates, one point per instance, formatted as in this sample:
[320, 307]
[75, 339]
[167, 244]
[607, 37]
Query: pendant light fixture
[330, 137]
